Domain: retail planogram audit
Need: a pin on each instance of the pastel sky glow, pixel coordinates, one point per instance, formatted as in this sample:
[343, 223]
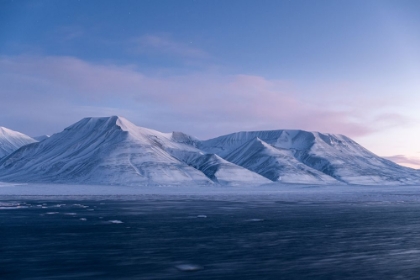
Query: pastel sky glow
[214, 67]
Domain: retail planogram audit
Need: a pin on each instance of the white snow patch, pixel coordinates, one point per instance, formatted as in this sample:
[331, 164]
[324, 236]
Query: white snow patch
[115, 222]
[255, 220]
[12, 205]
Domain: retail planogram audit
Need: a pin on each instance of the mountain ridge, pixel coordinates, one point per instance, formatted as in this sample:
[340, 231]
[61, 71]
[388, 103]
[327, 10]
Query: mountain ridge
[112, 150]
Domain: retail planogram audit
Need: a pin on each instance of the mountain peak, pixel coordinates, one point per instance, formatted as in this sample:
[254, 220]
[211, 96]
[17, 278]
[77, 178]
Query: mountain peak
[101, 123]
[11, 140]
[7, 131]
[110, 123]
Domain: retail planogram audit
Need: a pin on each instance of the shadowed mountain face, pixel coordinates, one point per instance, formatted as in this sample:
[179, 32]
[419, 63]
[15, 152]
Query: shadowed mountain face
[276, 164]
[225, 172]
[112, 150]
[287, 153]
[11, 140]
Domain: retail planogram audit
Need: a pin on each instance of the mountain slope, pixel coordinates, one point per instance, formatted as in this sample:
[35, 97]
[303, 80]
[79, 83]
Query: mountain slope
[226, 173]
[101, 151]
[11, 140]
[183, 147]
[276, 164]
[334, 155]
[347, 161]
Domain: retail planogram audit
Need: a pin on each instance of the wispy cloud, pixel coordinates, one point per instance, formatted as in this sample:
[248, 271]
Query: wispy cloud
[55, 91]
[159, 44]
[404, 160]
[67, 33]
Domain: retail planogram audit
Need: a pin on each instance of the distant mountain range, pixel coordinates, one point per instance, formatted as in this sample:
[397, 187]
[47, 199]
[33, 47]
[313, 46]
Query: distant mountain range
[114, 151]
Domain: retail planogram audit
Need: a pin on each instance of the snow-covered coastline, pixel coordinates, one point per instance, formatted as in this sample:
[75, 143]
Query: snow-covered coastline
[272, 192]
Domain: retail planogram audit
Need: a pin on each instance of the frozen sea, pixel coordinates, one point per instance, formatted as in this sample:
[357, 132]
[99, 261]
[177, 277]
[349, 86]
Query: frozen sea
[291, 232]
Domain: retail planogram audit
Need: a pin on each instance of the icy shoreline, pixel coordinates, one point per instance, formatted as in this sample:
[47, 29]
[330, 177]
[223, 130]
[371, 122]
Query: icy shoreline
[278, 192]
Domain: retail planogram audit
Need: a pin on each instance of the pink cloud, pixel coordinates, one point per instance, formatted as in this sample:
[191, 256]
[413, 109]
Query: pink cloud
[205, 104]
[406, 161]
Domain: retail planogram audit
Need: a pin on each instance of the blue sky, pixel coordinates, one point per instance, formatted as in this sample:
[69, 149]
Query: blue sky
[214, 67]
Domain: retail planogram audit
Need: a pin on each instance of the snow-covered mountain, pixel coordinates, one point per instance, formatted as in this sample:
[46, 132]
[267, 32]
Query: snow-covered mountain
[303, 154]
[103, 151]
[11, 140]
[115, 151]
[112, 150]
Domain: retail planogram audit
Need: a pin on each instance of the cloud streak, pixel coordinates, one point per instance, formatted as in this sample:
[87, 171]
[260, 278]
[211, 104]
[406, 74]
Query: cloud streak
[52, 92]
[406, 161]
[163, 44]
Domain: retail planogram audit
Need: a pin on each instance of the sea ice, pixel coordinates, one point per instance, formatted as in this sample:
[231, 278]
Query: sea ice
[255, 220]
[188, 267]
[115, 222]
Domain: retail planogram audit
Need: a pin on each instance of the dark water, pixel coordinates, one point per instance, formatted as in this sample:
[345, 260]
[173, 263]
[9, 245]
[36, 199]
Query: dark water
[207, 239]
